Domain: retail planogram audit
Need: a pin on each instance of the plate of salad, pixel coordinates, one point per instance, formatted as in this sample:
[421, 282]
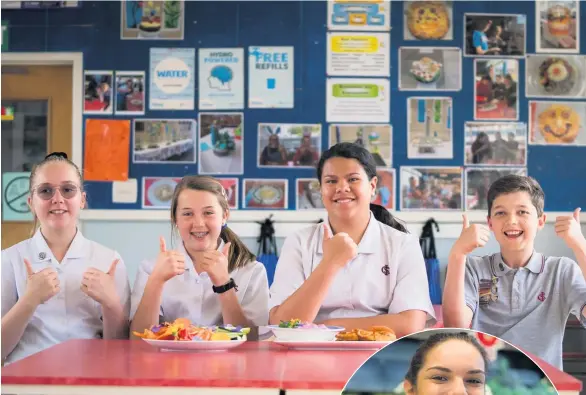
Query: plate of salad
[297, 330]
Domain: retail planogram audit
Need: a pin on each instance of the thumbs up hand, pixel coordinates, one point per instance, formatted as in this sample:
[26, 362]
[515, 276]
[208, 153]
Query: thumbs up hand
[169, 263]
[40, 286]
[568, 228]
[101, 286]
[472, 237]
[215, 264]
[339, 249]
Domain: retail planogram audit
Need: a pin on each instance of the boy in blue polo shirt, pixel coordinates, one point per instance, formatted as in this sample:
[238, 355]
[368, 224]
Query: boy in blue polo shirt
[518, 295]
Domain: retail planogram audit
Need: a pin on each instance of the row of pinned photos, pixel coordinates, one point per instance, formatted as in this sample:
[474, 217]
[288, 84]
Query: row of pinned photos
[109, 92]
[556, 28]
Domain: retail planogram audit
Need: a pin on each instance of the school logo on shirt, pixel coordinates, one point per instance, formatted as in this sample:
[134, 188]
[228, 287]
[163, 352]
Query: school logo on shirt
[488, 291]
[42, 255]
[541, 297]
[386, 270]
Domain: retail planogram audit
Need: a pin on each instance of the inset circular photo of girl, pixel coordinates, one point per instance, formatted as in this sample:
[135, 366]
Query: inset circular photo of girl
[456, 362]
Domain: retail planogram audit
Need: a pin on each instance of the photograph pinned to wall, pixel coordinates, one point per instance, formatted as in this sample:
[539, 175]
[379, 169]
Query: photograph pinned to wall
[221, 78]
[495, 35]
[288, 144]
[363, 54]
[430, 69]
[231, 187]
[271, 77]
[385, 188]
[221, 136]
[557, 123]
[98, 92]
[264, 193]
[496, 89]
[152, 20]
[557, 26]
[308, 194]
[157, 192]
[359, 15]
[429, 130]
[428, 20]
[130, 86]
[172, 79]
[106, 150]
[164, 141]
[495, 143]
[358, 100]
[478, 181]
[377, 139]
[431, 188]
[549, 76]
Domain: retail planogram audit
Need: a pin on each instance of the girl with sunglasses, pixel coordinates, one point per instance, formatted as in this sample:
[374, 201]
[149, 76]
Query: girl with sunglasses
[58, 285]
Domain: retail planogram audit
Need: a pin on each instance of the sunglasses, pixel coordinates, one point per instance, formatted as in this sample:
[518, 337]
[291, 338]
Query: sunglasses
[47, 192]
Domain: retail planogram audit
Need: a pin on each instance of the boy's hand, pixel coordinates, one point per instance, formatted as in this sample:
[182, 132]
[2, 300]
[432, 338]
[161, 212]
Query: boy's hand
[568, 228]
[472, 237]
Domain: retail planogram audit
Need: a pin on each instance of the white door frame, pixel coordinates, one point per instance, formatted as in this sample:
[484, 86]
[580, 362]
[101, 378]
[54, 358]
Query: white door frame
[73, 59]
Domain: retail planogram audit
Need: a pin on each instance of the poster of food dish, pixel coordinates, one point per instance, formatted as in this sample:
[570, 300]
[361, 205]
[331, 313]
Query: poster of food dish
[495, 35]
[152, 20]
[308, 194]
[98, 92]
[557, 26]
[496, 89]
[557, 123]
[130, 92]
[360, 54]
[231, 187]
[430, 69]
[384, 194]
[429, 128]
[551, 76]
[376, 138]
[479, 180]
[157, 192]
[431, 188]
[221, 136]
[265, 193]
[164, 141]
[428, 20]
[358, 100]
[359, 15]
[288, 144]
[495, 144]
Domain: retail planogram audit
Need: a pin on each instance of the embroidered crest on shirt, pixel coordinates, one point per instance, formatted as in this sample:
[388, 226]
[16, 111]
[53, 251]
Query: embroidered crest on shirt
[541, 297]
[488, 291]
[386, 270]
[42, 255]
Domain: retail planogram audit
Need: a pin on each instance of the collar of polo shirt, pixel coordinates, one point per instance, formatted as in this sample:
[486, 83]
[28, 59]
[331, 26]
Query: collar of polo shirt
[535, 264]
[43, 253]
[368, 243]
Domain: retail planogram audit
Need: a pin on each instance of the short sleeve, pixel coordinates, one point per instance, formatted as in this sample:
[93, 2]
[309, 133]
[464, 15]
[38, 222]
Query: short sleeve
[574, 284]
[477, 39]
[9, 292]
[411, 291]
[289, 271]
[123, 285]
[471, 283]
[255, 302]
[144, 271]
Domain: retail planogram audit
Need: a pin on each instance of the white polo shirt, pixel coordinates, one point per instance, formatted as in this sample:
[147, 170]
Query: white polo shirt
[190, 295]
[388, 275]
[70, 314]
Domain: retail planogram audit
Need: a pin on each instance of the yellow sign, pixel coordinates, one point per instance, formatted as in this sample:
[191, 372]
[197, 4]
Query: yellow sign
[355, 44]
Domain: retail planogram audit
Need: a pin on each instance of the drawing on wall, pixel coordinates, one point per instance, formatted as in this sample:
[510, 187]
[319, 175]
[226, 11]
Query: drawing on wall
[152, 20]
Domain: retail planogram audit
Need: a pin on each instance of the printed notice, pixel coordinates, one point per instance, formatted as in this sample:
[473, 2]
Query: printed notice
[270, 77]
[358, 100]
[359, 54]
[172, 84]
[221, 78]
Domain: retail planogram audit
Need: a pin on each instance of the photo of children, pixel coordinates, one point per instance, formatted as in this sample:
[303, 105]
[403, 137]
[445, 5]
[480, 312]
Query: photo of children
[495, 35]
[308, 192]
[97, 92]
[494, 143]
[288, 145]
[231, 187]
[431, 188]
[557, 27]
[264, 193]
[377, 139]
[550, 76]
[430, 69]
[429, 131]
[496, 90]
[164, 140]
[557, 123]
[385, 188]
[477, 182]
[130, 93]
[220, 143]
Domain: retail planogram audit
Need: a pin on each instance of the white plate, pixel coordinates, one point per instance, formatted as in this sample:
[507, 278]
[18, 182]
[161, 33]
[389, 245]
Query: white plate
[211, 345]
[332, 345]
[306, 334]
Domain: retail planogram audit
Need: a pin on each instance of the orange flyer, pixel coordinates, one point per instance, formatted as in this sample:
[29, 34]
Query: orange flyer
[107, 150]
